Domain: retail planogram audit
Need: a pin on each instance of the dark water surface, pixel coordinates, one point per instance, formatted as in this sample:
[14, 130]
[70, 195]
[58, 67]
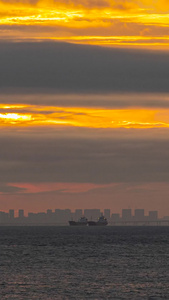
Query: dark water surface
[84, 263]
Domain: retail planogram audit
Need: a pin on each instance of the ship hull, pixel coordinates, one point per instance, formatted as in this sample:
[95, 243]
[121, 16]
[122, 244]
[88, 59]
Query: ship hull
[92, 223]
[74, 223]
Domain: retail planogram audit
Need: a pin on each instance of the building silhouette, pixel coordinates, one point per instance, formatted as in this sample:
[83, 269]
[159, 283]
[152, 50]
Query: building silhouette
[139, 215]
[107, 213]
[21, 214]
[11, 214]
[153, 215]
[115, 218]
[126, 214]
[78, 214]
[92, 214]
[63, 216]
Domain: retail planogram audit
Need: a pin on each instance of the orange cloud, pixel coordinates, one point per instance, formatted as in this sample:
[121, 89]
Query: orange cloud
[64, 187]
[84, 117]
[82, 19]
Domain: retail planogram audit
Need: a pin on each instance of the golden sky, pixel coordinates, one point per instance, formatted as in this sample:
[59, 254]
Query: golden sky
[84, 122]
[102, 22]
[36, 115]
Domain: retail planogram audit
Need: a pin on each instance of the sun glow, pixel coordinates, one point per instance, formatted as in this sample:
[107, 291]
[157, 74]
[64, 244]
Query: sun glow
[84, 117]
[131, 22]
[13, 118]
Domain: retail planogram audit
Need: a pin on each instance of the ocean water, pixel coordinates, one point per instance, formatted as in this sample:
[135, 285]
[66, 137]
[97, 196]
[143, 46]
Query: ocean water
[84, 263]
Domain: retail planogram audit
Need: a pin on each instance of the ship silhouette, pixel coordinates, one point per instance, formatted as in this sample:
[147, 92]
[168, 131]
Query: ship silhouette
[102, 221]
[81, 222]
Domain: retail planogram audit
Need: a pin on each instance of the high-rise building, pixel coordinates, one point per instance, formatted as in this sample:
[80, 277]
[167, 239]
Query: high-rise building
[21, 213]
[107, 214]
[11, 214]
[3, 217]
[67, 216]
[153, 215]
[139, 215]
[49, 216]
[126, 215]
[49, 212]
[41, 218]
[92, 214]
[31, 217]
[78, 214]
[115, 217]
[58, 215]
[62, 216]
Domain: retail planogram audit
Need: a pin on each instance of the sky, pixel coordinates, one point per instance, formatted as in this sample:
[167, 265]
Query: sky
[84, 105]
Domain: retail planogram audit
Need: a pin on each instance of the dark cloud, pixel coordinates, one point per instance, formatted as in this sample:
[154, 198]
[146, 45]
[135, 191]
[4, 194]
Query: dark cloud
[101, 156]
[109, 101]
[7, 189]
[77, 68]
[59, 158]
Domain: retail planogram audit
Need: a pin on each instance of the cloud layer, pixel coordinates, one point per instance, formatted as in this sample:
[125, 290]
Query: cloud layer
[60, 157]
[133, 23]
[90, 85]
[73, 68]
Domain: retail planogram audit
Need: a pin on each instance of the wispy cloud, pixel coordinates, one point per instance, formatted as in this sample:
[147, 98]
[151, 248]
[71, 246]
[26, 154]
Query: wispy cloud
[83, 117]
[136, 23]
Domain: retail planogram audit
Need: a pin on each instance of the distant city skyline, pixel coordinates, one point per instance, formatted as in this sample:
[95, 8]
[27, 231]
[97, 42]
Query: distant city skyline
[122, 212]
[63, 216]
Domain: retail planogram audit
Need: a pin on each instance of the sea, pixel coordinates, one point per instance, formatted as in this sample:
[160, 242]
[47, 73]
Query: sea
[84, 263]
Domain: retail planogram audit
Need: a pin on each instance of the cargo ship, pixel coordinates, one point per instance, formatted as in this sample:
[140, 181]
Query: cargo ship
[81, 222]
[102, 221]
